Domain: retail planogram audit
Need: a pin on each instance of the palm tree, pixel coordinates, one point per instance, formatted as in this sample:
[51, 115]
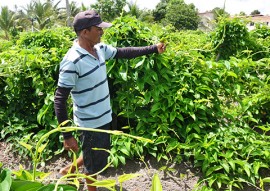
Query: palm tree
[143, 15]
[74, 9]
[42, 15]
[7, 19]
[134, 10]
[68, 13]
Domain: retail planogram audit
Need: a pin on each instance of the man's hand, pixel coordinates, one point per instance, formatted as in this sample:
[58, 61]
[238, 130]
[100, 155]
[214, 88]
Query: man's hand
[71, 144]
[161, 47]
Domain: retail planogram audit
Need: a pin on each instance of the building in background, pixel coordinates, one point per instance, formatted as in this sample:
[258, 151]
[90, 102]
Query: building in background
[257, 19]
[207, 22]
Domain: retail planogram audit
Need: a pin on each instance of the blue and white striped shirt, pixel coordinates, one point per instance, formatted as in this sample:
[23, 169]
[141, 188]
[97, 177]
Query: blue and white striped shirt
[87, 76]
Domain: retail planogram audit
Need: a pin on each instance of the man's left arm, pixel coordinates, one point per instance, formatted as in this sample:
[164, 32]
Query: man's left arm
[133, 52]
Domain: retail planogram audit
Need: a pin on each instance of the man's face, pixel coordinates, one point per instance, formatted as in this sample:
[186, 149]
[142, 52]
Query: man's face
[94, 34]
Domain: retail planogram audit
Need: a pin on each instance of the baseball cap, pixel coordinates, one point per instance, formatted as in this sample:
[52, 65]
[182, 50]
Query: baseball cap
[86, 19]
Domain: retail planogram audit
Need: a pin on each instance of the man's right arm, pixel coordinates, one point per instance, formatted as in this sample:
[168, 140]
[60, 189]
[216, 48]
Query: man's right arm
[60, 107]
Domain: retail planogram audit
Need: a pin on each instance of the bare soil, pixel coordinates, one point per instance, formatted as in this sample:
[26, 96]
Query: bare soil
[178, 177]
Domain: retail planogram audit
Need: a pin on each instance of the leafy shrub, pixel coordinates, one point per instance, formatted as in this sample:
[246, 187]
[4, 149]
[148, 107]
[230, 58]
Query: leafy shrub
[231, 38]
[192, 107]
[29, 73]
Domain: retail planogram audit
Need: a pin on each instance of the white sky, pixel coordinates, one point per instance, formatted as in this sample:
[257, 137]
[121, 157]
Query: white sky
[231, 6]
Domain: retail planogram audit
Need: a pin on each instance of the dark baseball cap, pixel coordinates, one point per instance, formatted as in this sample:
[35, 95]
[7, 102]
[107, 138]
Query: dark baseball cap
[86, 19]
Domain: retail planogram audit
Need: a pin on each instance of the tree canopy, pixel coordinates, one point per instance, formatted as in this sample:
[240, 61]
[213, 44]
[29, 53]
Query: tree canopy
[255, 12]
[7, 19]
[177, 13]
[109, 9]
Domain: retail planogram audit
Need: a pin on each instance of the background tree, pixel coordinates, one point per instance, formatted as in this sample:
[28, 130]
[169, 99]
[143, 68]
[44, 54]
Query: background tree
[63, 19]
[42, 15]
[7, 19]
[242, 13]
[255, 12]
[74, 9]
[147, 16]
[134, 9]
[160, 11]
[141, 14]
[109, 9]
[181, 15]
[219, 12]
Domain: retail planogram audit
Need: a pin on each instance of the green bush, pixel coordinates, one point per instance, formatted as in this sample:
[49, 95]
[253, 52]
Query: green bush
[29, 72]
[192, 107]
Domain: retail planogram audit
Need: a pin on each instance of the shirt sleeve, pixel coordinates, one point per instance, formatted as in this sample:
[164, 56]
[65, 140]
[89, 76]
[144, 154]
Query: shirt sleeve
[109, 51]
[60, 107]
[68, 74]
[133, 52]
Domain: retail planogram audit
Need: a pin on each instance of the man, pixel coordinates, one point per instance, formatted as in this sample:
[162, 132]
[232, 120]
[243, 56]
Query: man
[83, 74]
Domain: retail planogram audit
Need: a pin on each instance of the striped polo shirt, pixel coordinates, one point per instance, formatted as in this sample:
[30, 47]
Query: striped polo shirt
[87, 76]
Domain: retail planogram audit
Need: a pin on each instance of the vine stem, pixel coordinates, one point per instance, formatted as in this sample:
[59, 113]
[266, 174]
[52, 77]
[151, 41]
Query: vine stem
[71, 128]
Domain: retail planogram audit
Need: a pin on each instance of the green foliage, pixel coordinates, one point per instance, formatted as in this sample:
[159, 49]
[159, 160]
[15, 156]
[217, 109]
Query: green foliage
[5, 45]
[29, 72]
[261, 31]
[255, 12]
[156, 184]
[32, 180]
[5, 179]
[160, 11]
[213, 113]
[109, 9]
[177, 13]
[47, 39]
[181, 15]
[7, 19]
[220, 13]
[189, 104]
[262, 37]
[231, 38]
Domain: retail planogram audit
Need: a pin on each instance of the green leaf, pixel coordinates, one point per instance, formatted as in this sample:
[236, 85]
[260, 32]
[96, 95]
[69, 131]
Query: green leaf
[180, 117]
[124, 150]
[27, 146]
[155, 107]
[5, 180]
[227, 64]
[230, 73]
[229, 154]
[193, 116]
[213, 169]
[156, 184]
[211, 180]
[42, 147]
[225, 165]
[25, 185]
[60, 187]
[247, 169]
[140, 63]
[23, 174]
[172, 116]
[256, 167]
[126, 177]
[267, 179]
[122, 159]
[105, 183]
[232, 164]
[172, 145]
[147, 96]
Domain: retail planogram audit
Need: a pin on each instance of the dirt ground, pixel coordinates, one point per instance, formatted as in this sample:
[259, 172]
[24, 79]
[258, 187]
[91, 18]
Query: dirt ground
[180, 177]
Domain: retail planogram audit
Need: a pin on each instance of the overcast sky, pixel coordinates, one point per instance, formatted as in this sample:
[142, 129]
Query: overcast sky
[231, 6]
